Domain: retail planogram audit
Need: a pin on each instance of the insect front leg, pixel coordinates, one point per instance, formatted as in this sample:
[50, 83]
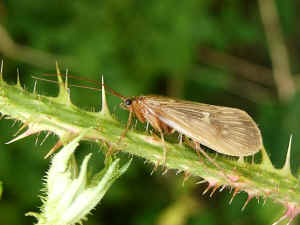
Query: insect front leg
[127, 126]
[110, 151]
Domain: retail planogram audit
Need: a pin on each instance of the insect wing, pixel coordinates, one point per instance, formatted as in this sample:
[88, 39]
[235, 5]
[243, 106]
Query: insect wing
[226, 130]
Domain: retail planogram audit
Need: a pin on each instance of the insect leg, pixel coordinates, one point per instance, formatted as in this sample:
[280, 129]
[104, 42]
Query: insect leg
[199, 149]
[127, 126]
[161, 128]
[110, 150]
[180, 139]
[164, 147]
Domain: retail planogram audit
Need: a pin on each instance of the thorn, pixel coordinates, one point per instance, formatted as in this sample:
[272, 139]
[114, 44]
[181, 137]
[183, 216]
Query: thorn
[153, 170]
[34, 87]
[66, 79]
[165, 172]
[104, 108]
[222, 188]
[59, 78]
[18, 78]
[54, 149]
[236, 190]
[202, 181]
[2, 116]
[214, 190]
[67, 90]
[1, 71]
[178, 172]
[58, 74]
[266, 162]
[47, 135]
[208, 187]
[264, 202]
[21, 128]
[28, 132]
[37, 138]
[257, 197]
[63, 95]
[14, 123]
[187, 174]
[57, 68]
[286, 169]
[155, 167]
[247, 201]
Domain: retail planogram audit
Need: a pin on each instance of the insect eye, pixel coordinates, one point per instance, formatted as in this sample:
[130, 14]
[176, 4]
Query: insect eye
[128, 102]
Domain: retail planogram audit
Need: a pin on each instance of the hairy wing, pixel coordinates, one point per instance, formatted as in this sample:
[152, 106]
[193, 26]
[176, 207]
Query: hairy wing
[226, 130]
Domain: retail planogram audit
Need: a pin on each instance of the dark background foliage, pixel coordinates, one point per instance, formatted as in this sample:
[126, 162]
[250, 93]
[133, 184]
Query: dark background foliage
[212, 51]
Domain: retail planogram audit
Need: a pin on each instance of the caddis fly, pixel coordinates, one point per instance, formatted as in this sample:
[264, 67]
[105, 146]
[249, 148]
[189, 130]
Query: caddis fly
[226, 130]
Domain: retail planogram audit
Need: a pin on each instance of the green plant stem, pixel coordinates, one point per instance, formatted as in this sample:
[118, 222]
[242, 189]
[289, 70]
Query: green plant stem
[60, 116]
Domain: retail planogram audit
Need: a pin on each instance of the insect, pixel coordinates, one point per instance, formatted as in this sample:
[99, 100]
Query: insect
[229, 131]
[226, 130]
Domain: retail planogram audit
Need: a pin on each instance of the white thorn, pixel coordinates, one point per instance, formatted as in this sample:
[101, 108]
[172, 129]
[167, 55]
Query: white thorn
[23, 135]
[47, 135]
[1, 69]
[202, 182]
[37, 138]
[66, 86]
[59, 78]
[104, 109]
[34, 87]
[287, 164]
[57, 68]
[18, 77]
[66, 79]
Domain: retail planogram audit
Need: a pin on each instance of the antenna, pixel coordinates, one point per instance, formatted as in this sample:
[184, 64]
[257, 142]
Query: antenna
[112, 91]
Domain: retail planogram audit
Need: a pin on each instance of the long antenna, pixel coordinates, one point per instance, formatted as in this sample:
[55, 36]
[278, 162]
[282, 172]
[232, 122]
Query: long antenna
[113, 92]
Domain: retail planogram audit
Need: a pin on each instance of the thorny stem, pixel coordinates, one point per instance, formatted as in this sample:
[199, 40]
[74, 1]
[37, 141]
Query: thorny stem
[60, 116]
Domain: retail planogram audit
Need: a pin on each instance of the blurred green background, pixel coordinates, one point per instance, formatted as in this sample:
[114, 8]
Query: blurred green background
[234, 53]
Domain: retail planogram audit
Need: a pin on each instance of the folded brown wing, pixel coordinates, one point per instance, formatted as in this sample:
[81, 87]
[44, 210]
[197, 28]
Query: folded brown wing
[226, 130]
